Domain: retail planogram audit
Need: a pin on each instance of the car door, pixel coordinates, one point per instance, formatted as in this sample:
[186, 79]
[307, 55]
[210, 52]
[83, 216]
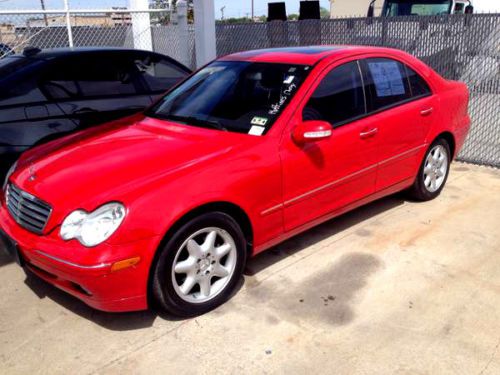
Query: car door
[159, 73]
[96, 87]
[322, 177]
[403, 119]
[27, 116]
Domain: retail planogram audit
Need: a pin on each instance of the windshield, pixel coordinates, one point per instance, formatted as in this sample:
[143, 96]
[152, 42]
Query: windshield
[416, 7]
[239, 96]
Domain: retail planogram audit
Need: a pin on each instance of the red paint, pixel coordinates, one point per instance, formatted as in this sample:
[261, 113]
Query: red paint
[163, 170]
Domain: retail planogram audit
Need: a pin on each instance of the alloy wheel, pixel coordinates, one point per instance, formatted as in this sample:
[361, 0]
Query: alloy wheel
[435, 169]
[204, 265]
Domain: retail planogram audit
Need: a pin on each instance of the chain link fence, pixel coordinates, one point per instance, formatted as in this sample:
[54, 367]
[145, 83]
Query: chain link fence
[140, 30]
[459, 47]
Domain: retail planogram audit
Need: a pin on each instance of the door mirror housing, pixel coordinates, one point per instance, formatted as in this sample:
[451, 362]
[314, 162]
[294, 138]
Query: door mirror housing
[311, 131]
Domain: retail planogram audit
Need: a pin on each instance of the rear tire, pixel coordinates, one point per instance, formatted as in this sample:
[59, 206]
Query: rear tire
[199, 267]
[433, 171]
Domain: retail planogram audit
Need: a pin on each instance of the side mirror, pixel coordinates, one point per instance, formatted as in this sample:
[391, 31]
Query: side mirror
[469, 9]
[311, 131]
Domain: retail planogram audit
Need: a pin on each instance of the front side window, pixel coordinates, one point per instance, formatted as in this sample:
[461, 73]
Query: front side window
[386, 83]
[339, 97]
[239, 96]
[416, 7]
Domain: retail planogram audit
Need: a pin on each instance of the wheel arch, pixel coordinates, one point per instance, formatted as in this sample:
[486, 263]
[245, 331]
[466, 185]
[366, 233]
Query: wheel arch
[231, 209]
[448, 137]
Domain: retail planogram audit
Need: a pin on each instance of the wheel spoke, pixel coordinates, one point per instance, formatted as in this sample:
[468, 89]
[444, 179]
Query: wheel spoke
[205, 286]
[222, 250]
[433, 183]
[188, 285]
[435, 155]
[185, 266]
[220, 271]
[427, 181]
[194, 249]
[209, 242]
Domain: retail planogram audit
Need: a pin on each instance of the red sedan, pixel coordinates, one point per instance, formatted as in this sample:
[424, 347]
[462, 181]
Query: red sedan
[255, 147]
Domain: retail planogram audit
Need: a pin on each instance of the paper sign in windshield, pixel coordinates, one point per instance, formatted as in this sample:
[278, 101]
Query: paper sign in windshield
[256, 130]
[387, 78]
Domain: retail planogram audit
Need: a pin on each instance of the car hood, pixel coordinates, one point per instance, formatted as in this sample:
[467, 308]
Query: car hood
[89, 168]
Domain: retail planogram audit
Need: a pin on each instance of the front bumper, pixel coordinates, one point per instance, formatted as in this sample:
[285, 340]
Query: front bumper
[85, 272]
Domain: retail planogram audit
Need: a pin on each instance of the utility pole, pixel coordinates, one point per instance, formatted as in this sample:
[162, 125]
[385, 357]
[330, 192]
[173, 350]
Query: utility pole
[42, 3]
[253, 15]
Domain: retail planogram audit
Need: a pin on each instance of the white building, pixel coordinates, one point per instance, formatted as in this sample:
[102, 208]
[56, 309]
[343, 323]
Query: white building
[352, 8]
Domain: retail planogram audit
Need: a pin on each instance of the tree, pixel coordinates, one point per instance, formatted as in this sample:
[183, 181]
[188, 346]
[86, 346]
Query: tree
[324, 13]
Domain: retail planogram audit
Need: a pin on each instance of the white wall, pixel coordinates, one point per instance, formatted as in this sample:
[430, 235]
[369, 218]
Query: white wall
[348, 8]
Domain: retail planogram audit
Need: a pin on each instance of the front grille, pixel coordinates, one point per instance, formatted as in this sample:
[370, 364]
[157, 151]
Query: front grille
[28, 211]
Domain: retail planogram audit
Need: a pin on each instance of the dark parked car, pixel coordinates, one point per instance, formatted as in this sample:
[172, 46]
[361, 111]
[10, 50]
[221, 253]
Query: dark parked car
[45, 94]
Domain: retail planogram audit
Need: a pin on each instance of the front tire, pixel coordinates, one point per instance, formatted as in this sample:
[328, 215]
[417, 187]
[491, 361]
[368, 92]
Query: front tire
[433, 171]
[199, 267]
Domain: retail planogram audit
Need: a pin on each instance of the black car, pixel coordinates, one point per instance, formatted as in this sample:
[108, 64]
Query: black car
[45, 94]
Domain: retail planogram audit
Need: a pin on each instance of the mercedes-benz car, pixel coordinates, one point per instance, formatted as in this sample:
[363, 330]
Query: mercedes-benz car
[165, 207]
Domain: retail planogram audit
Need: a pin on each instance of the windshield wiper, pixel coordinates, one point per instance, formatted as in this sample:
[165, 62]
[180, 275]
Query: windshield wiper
[196, 121]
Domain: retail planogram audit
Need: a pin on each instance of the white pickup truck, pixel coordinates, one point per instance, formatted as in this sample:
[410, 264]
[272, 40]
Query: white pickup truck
[393, 8]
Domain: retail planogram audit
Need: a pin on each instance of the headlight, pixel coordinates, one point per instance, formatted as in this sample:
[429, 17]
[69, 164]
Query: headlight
[93, 228]
[9, 173]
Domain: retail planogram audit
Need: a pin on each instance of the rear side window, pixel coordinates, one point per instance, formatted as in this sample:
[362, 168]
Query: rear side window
[339, 97]
[90, 76]
[385, 83]
[159, 74]
[418, 85]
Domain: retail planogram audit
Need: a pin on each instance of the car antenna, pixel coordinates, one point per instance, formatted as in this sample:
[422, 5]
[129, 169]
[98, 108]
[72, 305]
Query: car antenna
[31, 51]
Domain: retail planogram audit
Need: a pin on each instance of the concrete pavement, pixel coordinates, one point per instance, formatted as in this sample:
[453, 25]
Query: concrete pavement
[395, 287]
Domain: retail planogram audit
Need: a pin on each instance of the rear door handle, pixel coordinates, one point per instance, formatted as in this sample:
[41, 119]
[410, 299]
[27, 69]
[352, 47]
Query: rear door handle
[426, 112]
[368, 133]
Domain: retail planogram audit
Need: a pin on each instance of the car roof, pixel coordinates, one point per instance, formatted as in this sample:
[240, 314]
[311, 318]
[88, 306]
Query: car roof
[53, 53]
[66, 51]
[308, 55]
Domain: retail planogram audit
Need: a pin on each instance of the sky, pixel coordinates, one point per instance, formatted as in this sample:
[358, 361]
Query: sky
[234, 8]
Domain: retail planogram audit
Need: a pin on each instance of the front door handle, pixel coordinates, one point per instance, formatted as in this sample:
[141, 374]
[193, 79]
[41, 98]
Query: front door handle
[427, 111]
[368, 133]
